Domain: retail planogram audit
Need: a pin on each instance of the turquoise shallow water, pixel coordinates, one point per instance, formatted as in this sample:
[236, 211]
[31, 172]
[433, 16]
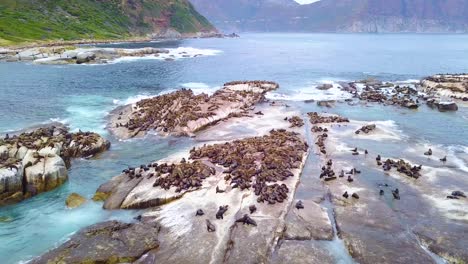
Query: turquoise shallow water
[83, 95]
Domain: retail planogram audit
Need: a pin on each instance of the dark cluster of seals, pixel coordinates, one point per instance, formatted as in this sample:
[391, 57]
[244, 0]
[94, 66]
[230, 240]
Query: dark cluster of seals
[401, 166]
[171, 113]
[403, 96]
[258, 162]
[316, 118]
[183, 176]
[366, 129]
[296, 121]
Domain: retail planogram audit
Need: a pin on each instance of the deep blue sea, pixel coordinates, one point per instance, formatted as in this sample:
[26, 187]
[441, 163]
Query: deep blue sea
[83, 95]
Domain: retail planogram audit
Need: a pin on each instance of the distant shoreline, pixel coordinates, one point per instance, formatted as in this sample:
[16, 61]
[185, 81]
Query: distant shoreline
[58, 43]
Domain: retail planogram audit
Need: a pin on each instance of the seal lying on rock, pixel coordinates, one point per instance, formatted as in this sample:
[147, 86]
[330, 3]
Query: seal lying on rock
[246, 220]
[252, 208]
[209, 226]
[199, 212]
[221, 211]
[299, 205]
[428, 153]
[396, 194]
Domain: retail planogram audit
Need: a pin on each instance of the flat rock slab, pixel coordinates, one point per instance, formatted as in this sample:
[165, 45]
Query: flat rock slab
[107, 242]
[312, 222]
[301, 252]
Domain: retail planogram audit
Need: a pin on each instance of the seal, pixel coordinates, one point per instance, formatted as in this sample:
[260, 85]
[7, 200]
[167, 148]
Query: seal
[221, 211]
[428, 153]
[252, 208]
[396, 194]
[209, 226]
[199, 212]
[246, 220]
[299, 205]
[345, 195]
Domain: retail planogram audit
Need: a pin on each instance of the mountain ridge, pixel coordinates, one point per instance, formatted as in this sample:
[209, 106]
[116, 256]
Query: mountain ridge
[361, 16]
[23, 21]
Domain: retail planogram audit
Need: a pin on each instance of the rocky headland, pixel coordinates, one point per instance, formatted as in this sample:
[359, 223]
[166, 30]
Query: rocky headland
[36, 161]
[184, 113]
[88, 55]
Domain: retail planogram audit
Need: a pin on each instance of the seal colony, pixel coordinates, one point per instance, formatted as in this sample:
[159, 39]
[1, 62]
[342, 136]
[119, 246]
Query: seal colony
[235, 194]
[257, 164]
[182, 113]
[37, 161]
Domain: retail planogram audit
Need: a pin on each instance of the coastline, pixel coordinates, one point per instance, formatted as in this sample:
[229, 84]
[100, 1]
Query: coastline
[58, 43]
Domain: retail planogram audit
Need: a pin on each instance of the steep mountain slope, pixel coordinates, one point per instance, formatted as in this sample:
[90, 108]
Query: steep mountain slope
[338, 15]
[30, 20]
[247, 15]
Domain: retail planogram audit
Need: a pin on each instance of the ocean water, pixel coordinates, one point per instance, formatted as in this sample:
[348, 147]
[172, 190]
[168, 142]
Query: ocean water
[82, 96]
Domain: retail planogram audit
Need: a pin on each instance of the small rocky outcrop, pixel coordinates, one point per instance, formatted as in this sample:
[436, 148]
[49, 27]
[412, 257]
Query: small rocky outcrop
[184, 113]
[74, 200]
[37, 161]
[442, 106]
[447, 85]
[366, 129]
[107, 242]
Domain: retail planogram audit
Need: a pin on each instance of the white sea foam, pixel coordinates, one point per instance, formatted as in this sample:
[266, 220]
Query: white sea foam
[174, 54]
[199, 88]
[312, 93]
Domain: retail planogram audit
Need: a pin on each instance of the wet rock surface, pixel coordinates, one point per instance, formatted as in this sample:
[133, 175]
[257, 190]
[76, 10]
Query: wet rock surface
[184, 113]
[36, 161]
[107, 242]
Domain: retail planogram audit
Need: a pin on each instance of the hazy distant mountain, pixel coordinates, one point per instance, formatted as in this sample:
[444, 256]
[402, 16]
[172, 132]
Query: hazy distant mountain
[337, 15]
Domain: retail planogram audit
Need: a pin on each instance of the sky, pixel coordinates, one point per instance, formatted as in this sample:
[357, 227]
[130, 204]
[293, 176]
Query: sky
[306, 1]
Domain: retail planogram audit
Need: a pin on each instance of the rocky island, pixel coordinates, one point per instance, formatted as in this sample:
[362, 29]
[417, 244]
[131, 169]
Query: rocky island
[184, 113]
[36, 161]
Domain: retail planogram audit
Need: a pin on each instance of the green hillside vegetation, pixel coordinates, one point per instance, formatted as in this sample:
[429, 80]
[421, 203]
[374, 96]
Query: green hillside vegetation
[40, 20]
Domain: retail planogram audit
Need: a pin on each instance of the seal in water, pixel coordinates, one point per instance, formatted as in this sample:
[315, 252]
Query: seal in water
[221, 211]
[246, 219]
[299, 205]
[199, 212]
[381, 192]
[444, 159]
[209, 226]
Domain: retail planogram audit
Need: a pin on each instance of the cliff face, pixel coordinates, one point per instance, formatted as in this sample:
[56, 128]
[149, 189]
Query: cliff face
[338, 15]
[32, 20]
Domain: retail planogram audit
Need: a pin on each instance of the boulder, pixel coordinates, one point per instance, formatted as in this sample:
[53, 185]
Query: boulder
[325, 86]
[447, 106]
[75, 200]
[84, 57]
[107, 242]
